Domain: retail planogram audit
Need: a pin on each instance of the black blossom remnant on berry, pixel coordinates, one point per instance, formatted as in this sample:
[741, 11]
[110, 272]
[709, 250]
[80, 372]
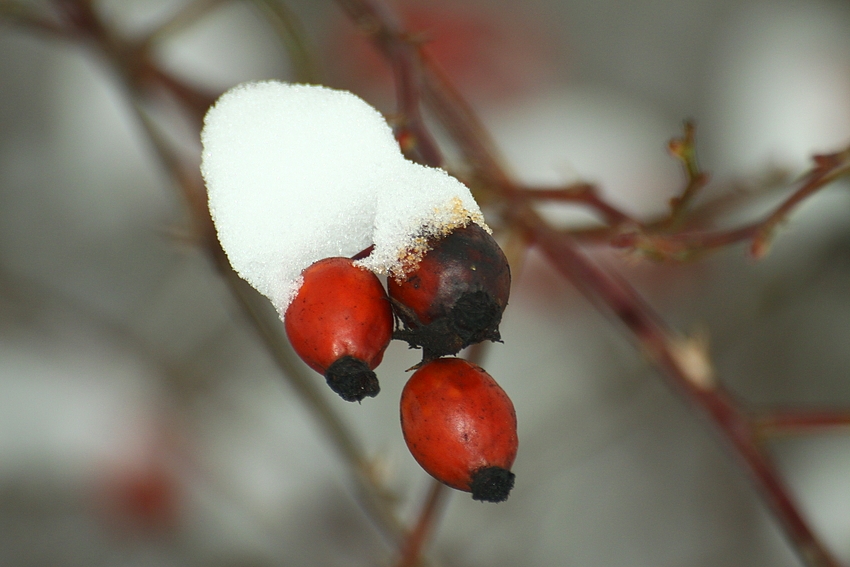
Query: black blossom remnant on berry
[492, 484]
[352, 379]
[456, 295]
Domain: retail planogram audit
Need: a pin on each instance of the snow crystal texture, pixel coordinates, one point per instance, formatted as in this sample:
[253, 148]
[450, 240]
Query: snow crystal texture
[297, 173]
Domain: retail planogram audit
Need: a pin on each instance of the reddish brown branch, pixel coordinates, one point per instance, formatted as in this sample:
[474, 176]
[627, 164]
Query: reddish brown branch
[659, 244]
[789, 422]
[26, 16]
[689, 372]
[684, 149]
[585, 194]
[136, 75]
[684, 245]
[405, 59]
[428, 517]
[827, 169]
[683, 362]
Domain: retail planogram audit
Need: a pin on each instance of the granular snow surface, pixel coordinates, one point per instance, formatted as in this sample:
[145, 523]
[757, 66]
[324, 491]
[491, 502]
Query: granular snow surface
[297, 173]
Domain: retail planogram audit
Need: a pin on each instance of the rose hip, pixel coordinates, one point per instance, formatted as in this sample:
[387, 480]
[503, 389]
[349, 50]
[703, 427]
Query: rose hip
[340, 323]
[460, 426]
[456, 294]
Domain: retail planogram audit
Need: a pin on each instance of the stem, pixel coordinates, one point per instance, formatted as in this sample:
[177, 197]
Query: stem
[23, 15]
[268, 328]
[685, 149]
[185, 16]
[684, 363]
[405, 59]
[583, 193]
[293, 38]
[785, 422]
[688, 371]
[428, 517]
[827, 169]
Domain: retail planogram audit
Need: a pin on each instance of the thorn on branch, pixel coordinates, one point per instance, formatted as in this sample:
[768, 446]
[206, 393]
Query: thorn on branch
[691, 354]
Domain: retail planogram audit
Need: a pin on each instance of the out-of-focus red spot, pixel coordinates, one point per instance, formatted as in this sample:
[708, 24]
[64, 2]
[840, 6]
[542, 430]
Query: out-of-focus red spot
[139, 491]
[149, 497]
[489, 53]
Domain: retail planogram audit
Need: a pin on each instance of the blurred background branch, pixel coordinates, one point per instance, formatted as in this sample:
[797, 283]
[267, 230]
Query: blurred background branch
[154, 286]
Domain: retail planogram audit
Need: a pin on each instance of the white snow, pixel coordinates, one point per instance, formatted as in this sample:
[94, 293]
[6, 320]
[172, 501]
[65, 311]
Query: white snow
[297, 173]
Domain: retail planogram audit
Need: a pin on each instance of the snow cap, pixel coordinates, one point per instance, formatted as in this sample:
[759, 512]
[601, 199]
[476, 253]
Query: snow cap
[298, 173]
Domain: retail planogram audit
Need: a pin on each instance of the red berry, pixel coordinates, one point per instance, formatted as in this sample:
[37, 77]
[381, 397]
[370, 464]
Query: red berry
[456, 294]
[340, 323]
[460, 427]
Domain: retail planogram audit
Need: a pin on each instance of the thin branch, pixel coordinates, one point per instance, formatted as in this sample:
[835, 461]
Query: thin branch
[425, 524]
[795, 422]
[267, 325]
[25, 16]
[684, 149]
[827, 169]
[687, 366]
[684, 362]
[437, 495]
[305, 69]
[134, 79]
[581, 193]
[374, 20]
[186, 16]
[460, 121]
[683, 246]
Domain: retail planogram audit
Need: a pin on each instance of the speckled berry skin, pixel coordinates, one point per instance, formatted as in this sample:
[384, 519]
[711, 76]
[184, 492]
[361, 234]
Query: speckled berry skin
[456, 294]
[458, 422]
[340, 314]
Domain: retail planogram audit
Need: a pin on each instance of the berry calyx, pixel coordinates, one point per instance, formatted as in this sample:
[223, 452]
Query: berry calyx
[352, 379]
[455, 296]
[460, 426]
[340, 323]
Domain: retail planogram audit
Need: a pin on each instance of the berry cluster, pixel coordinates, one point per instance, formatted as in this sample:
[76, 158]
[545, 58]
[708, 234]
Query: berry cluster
[459, 425]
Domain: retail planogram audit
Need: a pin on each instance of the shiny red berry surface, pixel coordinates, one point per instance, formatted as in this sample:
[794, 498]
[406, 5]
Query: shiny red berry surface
[340, 322]
[460, 426]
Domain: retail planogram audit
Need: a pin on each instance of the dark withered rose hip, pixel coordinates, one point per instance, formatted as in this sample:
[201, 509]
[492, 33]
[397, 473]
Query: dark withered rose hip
[456, 295]
[340, 324]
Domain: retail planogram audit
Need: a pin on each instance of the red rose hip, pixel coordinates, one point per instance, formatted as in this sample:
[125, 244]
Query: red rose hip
[340, 322]
[460, 426]
[456, 294]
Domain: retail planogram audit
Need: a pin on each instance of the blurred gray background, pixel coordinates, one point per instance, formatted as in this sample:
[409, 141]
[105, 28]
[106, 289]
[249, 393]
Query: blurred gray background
[142, 423]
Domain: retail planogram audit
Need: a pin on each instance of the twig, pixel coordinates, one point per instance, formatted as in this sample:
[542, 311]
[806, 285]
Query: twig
[685, 150]
[373, 498]
[581, 193]
[794, 422]
[288, 28]
[25, 16]
[405, 58]
[827, 169]
[684, 362]
[428, 517]
[437, 495]
[185, 16]
[267, 325]
[687, 366]
[680, 246]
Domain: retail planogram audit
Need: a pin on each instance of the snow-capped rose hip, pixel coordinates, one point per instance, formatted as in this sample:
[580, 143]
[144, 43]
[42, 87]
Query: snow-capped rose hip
[460, 426]
[340, 322]
[456, 294]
